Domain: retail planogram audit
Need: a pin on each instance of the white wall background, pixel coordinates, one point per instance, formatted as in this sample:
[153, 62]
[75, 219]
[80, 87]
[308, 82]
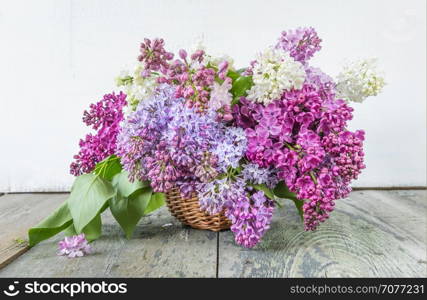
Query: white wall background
[57, 56]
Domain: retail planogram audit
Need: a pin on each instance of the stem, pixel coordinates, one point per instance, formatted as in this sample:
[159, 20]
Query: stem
[313, 177]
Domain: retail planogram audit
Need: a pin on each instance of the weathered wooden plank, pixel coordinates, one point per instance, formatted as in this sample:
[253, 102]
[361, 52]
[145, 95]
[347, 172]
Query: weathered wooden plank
[10, 253]
[371, 234]
[161, 247]
[18, 212]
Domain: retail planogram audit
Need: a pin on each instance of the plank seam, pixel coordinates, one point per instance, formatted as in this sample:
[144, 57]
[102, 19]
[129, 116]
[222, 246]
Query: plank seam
[217, 255]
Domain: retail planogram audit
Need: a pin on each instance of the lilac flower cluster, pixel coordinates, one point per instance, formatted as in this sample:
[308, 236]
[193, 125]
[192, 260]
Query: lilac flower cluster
[74, 246]
[154, 56]
[193, 75]
[141, 132]
[195, 80]
[104, 117]
[170, 144]
[250, 217]
[301, 43]
[305, 138]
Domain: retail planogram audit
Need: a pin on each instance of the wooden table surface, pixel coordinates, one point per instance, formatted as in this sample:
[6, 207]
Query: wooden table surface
[370, 234]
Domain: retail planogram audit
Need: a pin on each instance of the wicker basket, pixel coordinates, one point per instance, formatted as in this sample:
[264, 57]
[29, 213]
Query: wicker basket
[188, 212]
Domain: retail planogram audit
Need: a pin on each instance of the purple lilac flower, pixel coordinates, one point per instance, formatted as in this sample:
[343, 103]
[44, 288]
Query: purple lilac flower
[250, 217]
[255, 174]
[214, 196]
[301, 43]
[247, 113]
[171, 144]
[142, 132]
[324, 84]
[231, 148]
[104, 117]
[74, 246]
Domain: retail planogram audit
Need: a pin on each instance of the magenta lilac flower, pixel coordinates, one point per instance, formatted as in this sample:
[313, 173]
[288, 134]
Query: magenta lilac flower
[104, 117]
[304, 136]
[74, 246]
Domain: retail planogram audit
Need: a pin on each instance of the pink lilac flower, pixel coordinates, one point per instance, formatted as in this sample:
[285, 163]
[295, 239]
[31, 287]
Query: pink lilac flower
[193, 80]
[301, 43]
[104, 117]
[223, 69]
[220, 94]
[154, 56]
[74, 246]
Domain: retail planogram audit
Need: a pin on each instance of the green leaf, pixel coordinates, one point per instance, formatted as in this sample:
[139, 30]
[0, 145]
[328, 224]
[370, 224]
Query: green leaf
[88, 196]
[240, 86]
[157, 200]
[233, 75]
[262, 187]
[298, 205]
[59, 220]
[282, 191]
[93, 230]
[108, 167]
[130, 201]
[70, 230]
[123, 186]
[129, 210]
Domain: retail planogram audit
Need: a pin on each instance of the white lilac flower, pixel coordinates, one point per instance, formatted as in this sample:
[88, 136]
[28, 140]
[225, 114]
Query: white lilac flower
[215, 60]
[274, 72]
[220, 94]
[136, 87]
[359, 80]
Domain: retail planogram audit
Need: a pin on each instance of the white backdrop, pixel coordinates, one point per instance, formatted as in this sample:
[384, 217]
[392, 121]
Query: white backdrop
[58, 56]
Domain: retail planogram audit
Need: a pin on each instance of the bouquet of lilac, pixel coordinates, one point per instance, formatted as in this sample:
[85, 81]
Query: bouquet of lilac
[240, 139]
